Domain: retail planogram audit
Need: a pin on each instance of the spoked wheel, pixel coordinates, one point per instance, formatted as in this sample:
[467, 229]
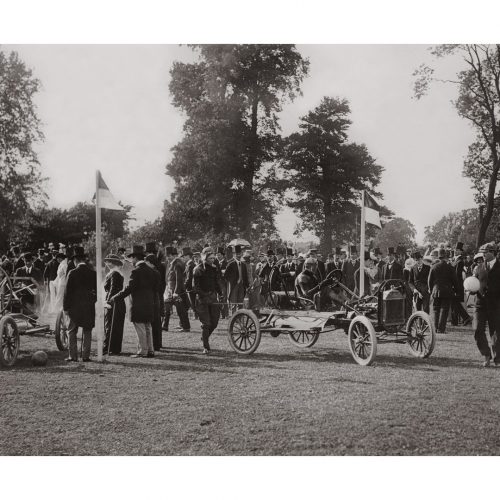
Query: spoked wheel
[303, 338]
[362, 340]
[5, 291]
[9, 343]
[244, 331]
[61, 331]
[421, 334]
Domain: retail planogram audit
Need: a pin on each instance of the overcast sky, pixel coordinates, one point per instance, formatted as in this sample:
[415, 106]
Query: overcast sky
[108, 108]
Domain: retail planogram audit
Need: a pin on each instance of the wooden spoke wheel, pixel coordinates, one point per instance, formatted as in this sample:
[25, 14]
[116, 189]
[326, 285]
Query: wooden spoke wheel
[362, 340]
[244, 332]
[421, 334]
[61, 331]
[9, 341]
[5, 291]
[303, 338]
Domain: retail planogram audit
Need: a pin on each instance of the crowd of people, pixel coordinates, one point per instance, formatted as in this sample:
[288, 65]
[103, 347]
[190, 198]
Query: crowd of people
[151, 280]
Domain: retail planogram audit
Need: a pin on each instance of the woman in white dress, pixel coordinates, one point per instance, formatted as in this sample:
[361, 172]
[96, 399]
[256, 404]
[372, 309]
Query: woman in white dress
[60, 283]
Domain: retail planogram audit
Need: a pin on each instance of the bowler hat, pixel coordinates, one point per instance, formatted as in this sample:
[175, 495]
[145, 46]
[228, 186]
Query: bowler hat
[151, 247]
[114, 259]
[136, 251]
[187, 251]
[79, 252]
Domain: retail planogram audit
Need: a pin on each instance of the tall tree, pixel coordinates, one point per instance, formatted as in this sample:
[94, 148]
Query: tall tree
[396, 232]
[232, 96]
[478, 102]
[20, 130]
[325, 172]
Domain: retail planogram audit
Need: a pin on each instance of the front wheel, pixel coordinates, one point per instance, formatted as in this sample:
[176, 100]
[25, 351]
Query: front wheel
[421, 334]
[244, 332]
[303, 338]
[61, 331]
[362, 340]
[9, 341]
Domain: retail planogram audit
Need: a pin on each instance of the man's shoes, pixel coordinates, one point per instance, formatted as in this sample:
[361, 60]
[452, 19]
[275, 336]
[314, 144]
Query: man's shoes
[150, 354]
[178, 328]
[206, 351]
[86, 360]
[138, 356]
[486, 361]
[71, 359]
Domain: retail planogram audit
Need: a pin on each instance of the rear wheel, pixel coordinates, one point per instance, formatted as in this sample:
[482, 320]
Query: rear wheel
[421, 334]
[244, 332]
[362, 340]
[9, 341]
[61, 331]
[303, 338]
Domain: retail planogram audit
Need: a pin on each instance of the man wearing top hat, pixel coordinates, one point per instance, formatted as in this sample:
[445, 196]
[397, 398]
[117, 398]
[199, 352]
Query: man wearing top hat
[392, 270]
[79, 300]
[419, 279]
[488, 304]
[457, 305]
[142, 288]
[442, 284]
[237, 278]
[176, 291]
[288, 270]
[170, 255]
[349, 268]
[221, 264]
[152, 257]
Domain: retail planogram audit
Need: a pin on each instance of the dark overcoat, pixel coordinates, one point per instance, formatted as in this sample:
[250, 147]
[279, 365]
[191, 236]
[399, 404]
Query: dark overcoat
[443, 280]
[80, 296]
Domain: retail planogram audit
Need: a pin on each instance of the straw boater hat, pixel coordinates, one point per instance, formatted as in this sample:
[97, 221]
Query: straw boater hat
[113, 259]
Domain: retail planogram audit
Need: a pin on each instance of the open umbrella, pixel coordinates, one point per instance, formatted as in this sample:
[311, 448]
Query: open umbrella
[239, 241]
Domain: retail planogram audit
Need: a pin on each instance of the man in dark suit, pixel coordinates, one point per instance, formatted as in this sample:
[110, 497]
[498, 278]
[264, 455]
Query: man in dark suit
[488, 306]
[442, 285]
[237, 278]
[320, 265]
[288, 270]
[79, 300]
[142, 288]
[152, 260]
[176, 290]
[457, 305]
[39, 262]
[419, 282]
[221, 264]
[393, 270]
[29, 271]
[349, 268]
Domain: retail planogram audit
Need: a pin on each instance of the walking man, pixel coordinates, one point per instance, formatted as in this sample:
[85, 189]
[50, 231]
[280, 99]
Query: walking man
[79, 300]
[206, 287]
[419, 279]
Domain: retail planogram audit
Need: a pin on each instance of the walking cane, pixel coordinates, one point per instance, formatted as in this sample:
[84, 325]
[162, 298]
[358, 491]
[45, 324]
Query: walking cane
[111, 330]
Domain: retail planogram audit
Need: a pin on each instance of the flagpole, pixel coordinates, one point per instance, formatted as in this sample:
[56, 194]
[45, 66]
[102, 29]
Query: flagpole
[98, 257]
[362, 248]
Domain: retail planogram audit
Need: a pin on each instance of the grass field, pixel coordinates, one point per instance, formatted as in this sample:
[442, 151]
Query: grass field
[282, 400]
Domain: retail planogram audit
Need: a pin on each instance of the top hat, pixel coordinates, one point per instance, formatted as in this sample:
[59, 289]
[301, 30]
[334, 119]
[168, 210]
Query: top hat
[459, 246]
[151, 247]
[390, 251]
[171, 250]
[114, 259]
[367, 256]
[338, 251]
[270, 252]
[417, 255]
[136, 251]
[187, 251]
[79, 252]
[289, 251]
[220, 250]
[237, 248]
[353, 249]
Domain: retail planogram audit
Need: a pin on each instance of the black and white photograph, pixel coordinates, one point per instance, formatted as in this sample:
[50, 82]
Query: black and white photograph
[224, 248]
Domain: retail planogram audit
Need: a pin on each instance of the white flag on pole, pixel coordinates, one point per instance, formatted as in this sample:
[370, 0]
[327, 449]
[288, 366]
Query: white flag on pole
[372, 211]
[106, 199]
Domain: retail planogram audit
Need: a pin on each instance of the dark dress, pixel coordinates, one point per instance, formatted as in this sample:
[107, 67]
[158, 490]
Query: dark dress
[114, 318]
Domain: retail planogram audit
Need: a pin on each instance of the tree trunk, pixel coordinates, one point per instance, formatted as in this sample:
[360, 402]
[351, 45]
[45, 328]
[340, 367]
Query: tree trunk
[490, 200]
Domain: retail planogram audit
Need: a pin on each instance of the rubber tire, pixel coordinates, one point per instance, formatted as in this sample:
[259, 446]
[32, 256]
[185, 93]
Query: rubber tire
[7, 320]
[62, 342]
[8, 282]
[425, 317]
[236, 317]
[363, 320]
[303, 345]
